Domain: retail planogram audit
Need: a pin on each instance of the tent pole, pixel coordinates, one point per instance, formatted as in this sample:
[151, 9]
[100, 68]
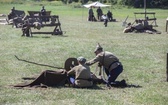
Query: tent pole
[145, 8]
[82, 9]
[110, 6]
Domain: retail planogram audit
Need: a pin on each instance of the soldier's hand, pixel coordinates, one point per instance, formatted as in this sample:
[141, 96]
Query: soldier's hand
[99, 65]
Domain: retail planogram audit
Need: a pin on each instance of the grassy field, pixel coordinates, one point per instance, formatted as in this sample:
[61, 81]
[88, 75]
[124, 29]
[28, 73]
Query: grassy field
[143, 57]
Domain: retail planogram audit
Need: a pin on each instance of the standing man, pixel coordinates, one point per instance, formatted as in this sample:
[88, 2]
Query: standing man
[43, 13]
[80, 76]
[109, 15]
[91, 14]
[12, 14]
[99, 13]
[110, 63]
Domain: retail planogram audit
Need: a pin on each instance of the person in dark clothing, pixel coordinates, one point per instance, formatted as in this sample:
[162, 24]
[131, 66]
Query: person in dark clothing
[12, 14]
[43, 13]
[110, 15]
[91, 14]
[99, 13]
[26, 29]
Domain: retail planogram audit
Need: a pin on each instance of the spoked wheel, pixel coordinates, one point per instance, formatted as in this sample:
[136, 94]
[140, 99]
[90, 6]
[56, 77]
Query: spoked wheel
[70, 63]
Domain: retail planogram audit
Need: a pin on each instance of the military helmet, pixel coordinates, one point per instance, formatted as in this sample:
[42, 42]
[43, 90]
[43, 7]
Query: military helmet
[98, 47]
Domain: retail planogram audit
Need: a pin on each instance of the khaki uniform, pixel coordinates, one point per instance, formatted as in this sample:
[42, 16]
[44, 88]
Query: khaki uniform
[82, 74]
[106, 59]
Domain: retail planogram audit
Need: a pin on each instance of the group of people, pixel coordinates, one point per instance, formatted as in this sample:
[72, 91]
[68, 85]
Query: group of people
[140, 26]
[109, 15]
[26, 24]
[80, 75]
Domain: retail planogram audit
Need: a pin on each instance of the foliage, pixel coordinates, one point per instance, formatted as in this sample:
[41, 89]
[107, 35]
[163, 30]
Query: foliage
[76, 5]
[12, 1]
[133, 3]
[159, 3]
[113, 2]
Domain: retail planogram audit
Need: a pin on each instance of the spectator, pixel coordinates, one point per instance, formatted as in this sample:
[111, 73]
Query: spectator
[109, 15]
[99, 13]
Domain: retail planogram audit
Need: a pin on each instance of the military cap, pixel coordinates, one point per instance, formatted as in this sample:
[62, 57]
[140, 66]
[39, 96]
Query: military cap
[81, 59]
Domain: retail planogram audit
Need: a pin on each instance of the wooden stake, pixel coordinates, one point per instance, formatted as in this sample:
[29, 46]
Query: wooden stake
[167, 67]
[166, 24]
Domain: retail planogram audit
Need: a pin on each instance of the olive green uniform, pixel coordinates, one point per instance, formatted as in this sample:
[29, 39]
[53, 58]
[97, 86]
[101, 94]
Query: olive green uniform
[82, 75]
[106, 59]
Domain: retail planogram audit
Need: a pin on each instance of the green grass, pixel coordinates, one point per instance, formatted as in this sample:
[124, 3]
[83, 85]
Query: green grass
[143, 57]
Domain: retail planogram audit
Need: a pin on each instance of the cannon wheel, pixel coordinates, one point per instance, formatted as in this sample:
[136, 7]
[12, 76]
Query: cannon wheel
[69, 63]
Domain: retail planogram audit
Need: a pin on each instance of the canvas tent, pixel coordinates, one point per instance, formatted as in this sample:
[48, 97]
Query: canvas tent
[95, 5]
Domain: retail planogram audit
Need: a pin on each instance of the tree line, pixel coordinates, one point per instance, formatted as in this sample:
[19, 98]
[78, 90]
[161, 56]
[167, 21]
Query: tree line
[132, 3]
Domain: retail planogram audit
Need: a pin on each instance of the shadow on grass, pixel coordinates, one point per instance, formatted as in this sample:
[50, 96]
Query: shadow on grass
[133, 86]
[127, 86]
[28, 78]
[49, 36]
[117, 84]
[95, 87]
[123, 84]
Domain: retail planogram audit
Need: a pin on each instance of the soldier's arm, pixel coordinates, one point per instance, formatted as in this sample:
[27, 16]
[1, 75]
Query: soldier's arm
[94, 60]
[72, 71]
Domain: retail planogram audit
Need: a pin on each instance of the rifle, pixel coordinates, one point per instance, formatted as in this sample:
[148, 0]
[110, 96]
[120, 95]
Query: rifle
[100, 72]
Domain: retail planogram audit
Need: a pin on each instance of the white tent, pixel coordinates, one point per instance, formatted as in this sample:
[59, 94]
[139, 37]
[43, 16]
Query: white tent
[95, 5]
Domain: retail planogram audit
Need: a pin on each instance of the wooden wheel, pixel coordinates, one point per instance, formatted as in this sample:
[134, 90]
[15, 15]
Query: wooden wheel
[69, 63]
